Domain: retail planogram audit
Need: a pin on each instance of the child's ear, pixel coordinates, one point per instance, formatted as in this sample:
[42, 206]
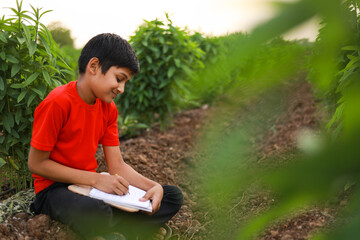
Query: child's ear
[93, 65]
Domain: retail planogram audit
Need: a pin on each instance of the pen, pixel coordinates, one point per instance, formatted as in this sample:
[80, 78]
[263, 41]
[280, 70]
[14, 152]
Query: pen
[128, 189]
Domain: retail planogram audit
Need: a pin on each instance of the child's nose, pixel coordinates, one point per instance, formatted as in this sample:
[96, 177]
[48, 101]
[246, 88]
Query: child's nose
[121, 87]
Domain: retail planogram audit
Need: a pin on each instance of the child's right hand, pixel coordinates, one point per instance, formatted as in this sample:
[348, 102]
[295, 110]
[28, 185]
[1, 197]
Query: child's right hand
[113, 184]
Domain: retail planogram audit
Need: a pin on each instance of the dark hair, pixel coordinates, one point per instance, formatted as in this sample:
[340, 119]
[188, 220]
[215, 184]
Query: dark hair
[111, 50]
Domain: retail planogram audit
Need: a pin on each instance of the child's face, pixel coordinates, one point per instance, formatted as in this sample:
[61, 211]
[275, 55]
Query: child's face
[106, 87]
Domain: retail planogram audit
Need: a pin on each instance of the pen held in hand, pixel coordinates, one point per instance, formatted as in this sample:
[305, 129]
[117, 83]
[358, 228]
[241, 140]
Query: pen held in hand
[128, 192]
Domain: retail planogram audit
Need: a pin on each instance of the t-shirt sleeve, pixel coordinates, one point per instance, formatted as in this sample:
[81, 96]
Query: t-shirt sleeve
[49, 118]
[111, 135]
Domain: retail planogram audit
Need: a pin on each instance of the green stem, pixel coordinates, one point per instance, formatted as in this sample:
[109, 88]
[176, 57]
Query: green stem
[8, 102]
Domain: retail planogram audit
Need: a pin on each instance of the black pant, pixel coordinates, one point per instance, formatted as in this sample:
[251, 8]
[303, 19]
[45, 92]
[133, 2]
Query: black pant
[90, 217]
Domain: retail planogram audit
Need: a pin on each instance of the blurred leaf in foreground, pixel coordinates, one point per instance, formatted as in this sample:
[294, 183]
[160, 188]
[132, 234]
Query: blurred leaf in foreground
[311, 177]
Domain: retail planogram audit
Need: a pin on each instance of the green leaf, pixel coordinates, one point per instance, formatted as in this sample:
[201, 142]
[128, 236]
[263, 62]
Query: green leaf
[2, 55]
[18, 116]
[4, 66]
[2, 85]
[144, 43]
[6, 123]
[179, 84]
[26, 32]
[21, 40]
[155, 50]
[15, 134]
[46, 45]
[13, 141]
[2, 162]
[42, 89]
[171, 71]
[10, 120]
[32, 78]
[163, 84]
[11, 58]
[14, 164]
[15, 69]
[47, 11]
[351, 48]
[165, 48]
[32, 48]
[161, 39]
[186, 69]
[37, 91]
[21, 96]
[2, 105]
[148, 58]
[161, 95]
[20, 153]
[31, 98]
[17, 85]
[71, 73]
[23, 126]
[152, 79]
[46, 77]
[126, 103]
[3, 38]
[177, 62]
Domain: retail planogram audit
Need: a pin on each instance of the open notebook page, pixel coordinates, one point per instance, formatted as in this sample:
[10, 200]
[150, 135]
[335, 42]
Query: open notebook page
[129, 200]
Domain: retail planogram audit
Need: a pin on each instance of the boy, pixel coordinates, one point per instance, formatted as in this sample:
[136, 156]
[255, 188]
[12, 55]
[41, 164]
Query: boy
[68, 126]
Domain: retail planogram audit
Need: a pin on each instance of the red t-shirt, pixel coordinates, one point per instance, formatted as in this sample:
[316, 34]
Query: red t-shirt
[71, 130]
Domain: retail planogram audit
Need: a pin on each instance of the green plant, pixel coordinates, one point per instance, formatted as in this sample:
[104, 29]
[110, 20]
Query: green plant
[129, 127]
[201, 90]
[211, 46]
[314, 176]
[167, 58]
[61, 34]
[275, 54]
[71, 56]
[347, 65]
[272, 55]
[31, 65]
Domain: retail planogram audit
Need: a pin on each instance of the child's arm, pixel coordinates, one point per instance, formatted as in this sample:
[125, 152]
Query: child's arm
[116, 165]
[40, 164]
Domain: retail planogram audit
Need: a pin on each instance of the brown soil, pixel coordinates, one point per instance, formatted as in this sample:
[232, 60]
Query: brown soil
[167, 156]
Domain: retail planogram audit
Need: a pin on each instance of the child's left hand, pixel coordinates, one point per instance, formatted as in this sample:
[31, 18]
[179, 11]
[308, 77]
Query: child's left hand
[155, 194]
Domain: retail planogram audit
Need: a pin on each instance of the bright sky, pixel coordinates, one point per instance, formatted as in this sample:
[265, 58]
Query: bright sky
[87, 18]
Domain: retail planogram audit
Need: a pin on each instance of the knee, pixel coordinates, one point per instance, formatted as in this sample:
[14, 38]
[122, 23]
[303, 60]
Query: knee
[173, 194]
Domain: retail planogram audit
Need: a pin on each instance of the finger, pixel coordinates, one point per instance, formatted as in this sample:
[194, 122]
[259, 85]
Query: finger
[120, 191]
[156, 205]
[123, 189]
[146, 197]
[122, 181]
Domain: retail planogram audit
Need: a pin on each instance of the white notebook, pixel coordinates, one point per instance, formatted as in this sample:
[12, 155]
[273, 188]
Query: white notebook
[129, 200]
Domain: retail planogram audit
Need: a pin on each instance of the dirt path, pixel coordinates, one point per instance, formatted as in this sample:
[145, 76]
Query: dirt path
[167, 156]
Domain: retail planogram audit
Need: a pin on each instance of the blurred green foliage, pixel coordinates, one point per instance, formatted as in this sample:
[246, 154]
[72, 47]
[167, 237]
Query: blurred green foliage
[168, 58]
[314, 176]
[129, 127]
[31, 65]
[61, 34]
[348, 62]
[264, 65]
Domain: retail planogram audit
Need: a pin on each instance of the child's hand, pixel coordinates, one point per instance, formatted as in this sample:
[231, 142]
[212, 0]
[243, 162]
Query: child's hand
[155, 194]
[114, 184]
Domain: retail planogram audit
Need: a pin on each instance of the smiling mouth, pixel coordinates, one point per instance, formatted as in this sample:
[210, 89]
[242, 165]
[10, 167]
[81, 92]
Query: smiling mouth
[114, 94]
